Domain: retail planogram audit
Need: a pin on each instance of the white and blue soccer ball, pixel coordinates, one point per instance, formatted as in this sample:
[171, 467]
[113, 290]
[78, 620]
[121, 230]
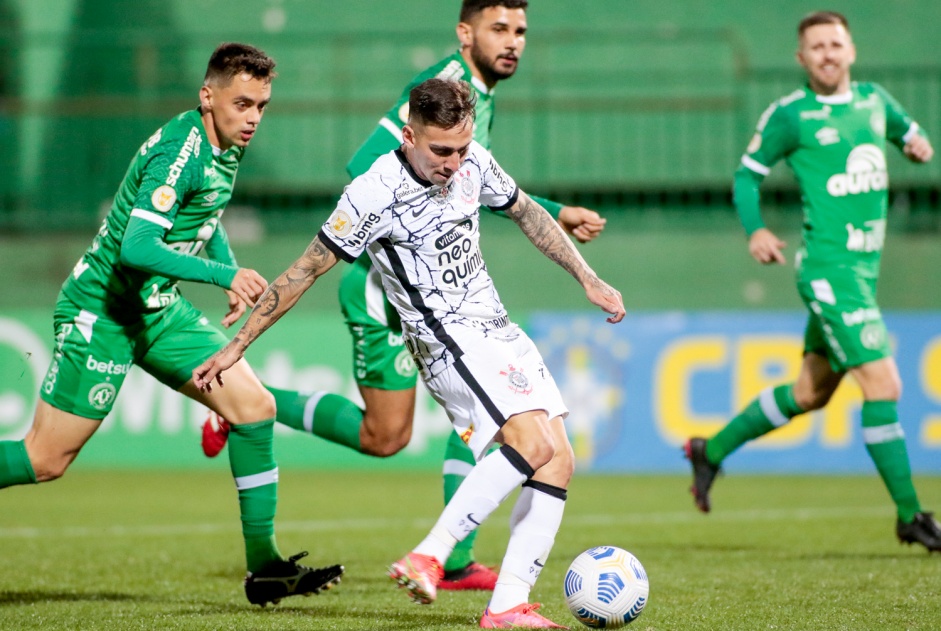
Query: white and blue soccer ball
[606, 587]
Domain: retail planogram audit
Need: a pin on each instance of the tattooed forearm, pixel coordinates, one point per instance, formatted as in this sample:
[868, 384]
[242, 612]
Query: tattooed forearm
[316, 260]
[269, 301]
[285, 291]
[547, 236]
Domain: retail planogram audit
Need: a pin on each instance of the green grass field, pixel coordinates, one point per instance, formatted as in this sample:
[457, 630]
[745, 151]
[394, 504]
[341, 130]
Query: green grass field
[154, 550]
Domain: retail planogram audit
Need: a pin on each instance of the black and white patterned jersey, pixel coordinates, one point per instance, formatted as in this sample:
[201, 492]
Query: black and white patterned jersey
[425, 241]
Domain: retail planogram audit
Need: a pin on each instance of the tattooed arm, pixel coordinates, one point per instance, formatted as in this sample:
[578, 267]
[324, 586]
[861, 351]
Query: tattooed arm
[547, 236]
[277, 300]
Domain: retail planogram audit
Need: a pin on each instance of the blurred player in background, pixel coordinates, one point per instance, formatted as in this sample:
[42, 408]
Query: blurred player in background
[833, 134]
[416, 213]
[492, 34]
[121, 306]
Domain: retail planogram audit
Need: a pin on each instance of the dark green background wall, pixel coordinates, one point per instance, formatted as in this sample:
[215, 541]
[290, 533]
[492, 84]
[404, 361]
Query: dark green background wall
[638, 108]
[612, 96]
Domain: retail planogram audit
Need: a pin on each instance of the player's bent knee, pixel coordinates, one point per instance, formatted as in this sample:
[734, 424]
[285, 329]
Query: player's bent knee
[49, 469]
[267, 405]
[814, 401]
[253, 406]
[538, 451]
[559, 470]
[383, 446]
[384, 436]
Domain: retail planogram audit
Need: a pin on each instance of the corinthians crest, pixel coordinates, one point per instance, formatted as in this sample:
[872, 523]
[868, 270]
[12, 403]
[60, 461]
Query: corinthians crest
[516, 380]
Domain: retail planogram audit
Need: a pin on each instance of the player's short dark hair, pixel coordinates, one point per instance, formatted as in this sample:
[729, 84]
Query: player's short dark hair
[470, 8]
[231, 59]
[444, 103]
[822, 17]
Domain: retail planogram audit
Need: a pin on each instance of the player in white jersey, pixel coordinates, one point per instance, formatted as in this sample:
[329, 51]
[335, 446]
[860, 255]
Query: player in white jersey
[415, 213]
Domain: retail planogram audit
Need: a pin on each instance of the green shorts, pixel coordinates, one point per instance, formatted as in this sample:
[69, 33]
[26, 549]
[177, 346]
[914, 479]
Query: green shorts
[845, 324]
[93, 353]
[380, 358]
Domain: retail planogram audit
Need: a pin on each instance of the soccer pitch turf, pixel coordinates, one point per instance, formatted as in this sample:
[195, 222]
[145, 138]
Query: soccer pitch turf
[162, 550]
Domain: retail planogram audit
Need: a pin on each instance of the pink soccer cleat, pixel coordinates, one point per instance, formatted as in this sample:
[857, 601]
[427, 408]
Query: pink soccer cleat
[215, 434]
[419, 574]
[520, 617]
[474, 576]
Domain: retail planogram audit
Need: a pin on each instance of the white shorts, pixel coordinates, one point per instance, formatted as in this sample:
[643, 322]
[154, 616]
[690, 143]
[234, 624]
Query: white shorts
[500, 374]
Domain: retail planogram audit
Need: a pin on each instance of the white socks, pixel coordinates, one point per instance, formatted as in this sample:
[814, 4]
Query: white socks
[485, 488]
[534, 523]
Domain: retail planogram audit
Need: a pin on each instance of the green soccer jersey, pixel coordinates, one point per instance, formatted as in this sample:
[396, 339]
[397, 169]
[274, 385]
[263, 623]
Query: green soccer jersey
[836, 147]
[167, 208]
[388, 135]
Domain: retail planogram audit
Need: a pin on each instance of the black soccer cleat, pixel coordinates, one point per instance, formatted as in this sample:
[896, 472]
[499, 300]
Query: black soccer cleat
[923, 529]
[288, 578]
[704, 472]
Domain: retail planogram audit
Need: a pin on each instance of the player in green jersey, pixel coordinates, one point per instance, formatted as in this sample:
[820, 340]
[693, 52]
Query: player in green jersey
[492, 35]
[120, 306]
[833, 134]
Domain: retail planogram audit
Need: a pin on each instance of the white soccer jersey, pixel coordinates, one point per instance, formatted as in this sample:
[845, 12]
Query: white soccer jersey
[425, 241]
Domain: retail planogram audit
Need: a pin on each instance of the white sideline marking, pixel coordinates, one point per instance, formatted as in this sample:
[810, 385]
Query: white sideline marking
[637, 519]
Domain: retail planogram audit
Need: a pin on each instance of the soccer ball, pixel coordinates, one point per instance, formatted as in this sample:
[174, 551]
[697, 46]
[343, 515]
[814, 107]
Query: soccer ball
[606, 587]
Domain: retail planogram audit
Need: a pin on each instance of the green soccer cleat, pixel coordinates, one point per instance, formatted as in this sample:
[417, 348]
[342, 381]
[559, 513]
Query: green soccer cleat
[288, 578]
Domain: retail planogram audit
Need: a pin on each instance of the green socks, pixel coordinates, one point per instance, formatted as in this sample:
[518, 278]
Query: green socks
[329, 416]
[15, 467]
[773, 408]
[251, 457]
[885, 443]
[338, 420]
[882, 434]
[458, 462]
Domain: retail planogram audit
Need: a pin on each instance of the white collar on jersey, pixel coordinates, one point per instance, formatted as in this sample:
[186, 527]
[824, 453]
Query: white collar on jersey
[480, 85]
[216, 151]
[836, 99]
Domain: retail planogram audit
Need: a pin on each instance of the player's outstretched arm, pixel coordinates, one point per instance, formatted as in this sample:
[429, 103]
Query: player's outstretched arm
[548, 237]
[277, 300]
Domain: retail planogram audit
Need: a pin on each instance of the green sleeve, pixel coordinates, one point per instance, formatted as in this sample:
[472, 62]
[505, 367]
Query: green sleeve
[383, 140]
[378, 144]
[143, 248]
[745, 196]
[776, 136]
[899, 126]
[218, 248]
